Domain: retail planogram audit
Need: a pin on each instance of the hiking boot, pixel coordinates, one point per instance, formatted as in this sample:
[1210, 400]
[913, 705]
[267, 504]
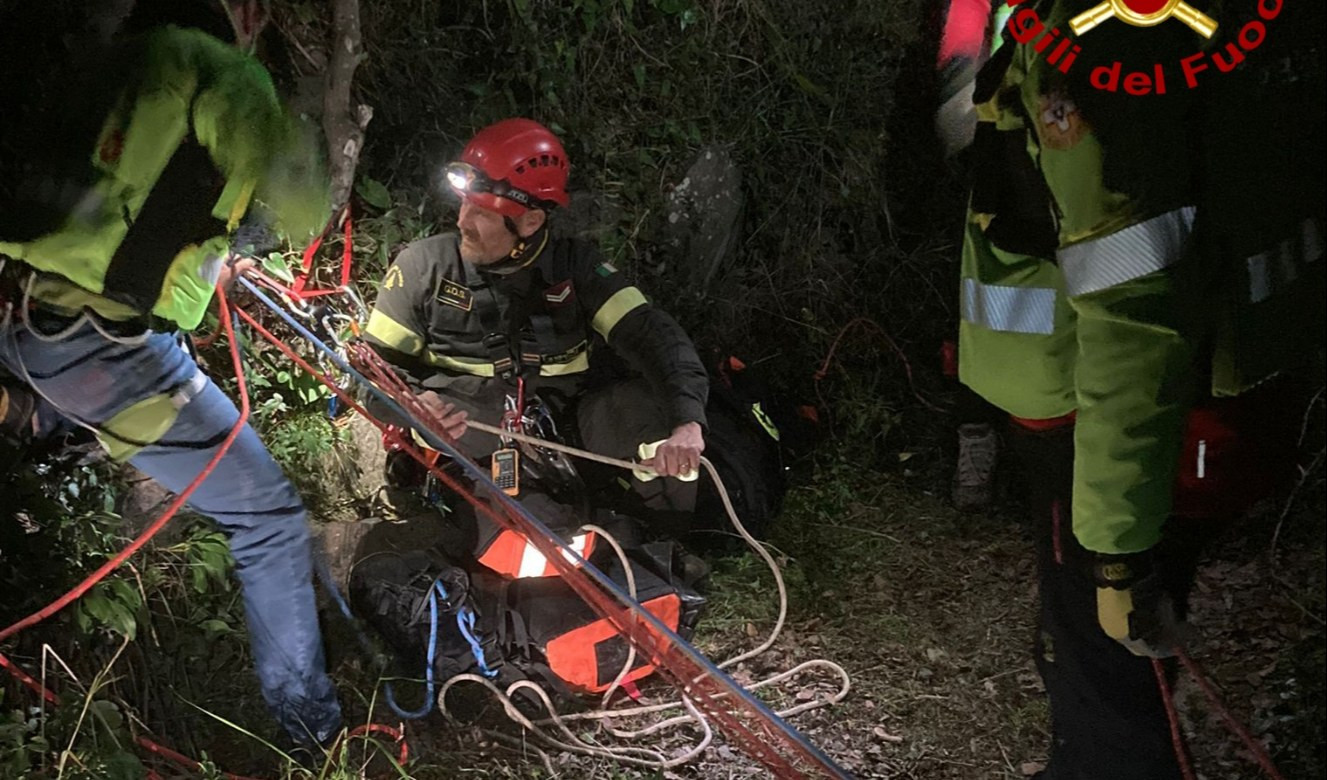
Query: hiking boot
[974, 476]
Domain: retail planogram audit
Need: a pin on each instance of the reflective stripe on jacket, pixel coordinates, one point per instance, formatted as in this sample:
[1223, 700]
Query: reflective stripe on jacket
[1016, 337]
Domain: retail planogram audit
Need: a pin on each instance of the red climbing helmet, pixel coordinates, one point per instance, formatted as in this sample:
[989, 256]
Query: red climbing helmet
[511, 166]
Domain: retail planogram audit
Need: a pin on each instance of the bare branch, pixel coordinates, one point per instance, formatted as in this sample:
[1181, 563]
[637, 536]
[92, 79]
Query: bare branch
[342, 124]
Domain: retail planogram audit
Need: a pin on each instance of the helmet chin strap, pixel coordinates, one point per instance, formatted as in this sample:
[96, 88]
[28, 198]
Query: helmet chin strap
[525, 251]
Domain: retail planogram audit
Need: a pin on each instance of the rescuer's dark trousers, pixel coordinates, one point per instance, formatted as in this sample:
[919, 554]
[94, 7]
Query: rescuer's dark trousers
[616, 419]
[1108, 720]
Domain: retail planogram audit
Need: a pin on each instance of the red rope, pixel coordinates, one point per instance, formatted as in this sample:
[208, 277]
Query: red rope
[907, 366]
[138, 543]
[757, 738]
[397, 735]
[180, 758]
[160, 522]
[1176, 739]
[1255, 747]
[27, 680]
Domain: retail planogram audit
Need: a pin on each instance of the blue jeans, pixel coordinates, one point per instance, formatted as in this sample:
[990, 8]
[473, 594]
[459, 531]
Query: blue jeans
[89, 377]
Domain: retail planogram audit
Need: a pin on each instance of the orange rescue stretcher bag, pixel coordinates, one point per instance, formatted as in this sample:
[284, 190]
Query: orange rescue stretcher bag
[533, 628]
[550, 634]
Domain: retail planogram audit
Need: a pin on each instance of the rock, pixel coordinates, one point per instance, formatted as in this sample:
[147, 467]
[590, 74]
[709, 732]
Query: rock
[142, 502]
[704, 213]
[339, 544]
[344, 544]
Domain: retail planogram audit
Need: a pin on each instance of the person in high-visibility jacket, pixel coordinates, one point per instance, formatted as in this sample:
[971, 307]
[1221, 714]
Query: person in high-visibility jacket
[1015, 337]
[469, 315]
[1152, 276]
[112, 248]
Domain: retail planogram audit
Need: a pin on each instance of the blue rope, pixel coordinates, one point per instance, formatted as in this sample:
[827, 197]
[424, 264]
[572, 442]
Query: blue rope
[329, 585]
[465, 620]
[389, 694]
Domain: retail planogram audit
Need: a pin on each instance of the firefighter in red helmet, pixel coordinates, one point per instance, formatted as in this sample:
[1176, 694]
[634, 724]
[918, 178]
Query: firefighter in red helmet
[472, 316]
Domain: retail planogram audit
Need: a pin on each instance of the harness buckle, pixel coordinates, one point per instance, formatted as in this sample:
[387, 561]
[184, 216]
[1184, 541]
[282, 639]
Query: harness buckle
[505, 365]
[505, 368]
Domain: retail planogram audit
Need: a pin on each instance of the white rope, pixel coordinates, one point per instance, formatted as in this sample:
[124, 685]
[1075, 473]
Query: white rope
[628, 754]
[24, 308]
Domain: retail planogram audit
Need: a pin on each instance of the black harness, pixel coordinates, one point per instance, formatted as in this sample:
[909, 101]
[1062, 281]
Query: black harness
[504, 337]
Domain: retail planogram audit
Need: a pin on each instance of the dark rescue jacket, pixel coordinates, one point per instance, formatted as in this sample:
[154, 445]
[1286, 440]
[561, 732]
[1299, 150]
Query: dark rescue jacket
[452, 327]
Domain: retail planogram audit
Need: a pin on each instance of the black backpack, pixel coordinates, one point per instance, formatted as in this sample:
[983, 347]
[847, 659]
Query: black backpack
[752, 438]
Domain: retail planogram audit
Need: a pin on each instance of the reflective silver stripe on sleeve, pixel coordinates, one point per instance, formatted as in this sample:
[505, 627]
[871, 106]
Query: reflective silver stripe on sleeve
[1009, 309]
[1277, 268]
[1135, 251]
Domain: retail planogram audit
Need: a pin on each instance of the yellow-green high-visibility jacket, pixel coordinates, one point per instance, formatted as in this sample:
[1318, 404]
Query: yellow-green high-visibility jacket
[1016, 339]
[451, 326]
[195, 138]
[1161, 313]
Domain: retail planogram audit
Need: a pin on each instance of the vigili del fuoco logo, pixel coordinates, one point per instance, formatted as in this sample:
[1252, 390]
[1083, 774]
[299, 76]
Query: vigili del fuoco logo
[1061, 49]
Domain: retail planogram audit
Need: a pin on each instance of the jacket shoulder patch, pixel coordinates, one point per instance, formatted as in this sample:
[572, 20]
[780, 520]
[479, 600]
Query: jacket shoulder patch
[1061, 123]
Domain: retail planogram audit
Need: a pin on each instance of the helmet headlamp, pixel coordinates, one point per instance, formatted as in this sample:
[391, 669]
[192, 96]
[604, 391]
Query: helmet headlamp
[467, 179]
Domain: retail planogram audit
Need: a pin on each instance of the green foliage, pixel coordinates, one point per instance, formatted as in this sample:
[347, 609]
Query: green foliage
[21, 743]
[277, 265]
[379, 237]
[65, 513]
[301, 440]
[208, 559]
[113, 604]
[85, 739]
[292, 390]
[374, 193]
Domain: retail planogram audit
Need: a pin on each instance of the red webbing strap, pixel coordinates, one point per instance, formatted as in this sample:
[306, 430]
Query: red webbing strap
[297, 290]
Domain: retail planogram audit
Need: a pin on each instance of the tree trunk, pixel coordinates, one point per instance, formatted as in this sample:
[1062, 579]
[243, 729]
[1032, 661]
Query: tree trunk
[343, 126]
